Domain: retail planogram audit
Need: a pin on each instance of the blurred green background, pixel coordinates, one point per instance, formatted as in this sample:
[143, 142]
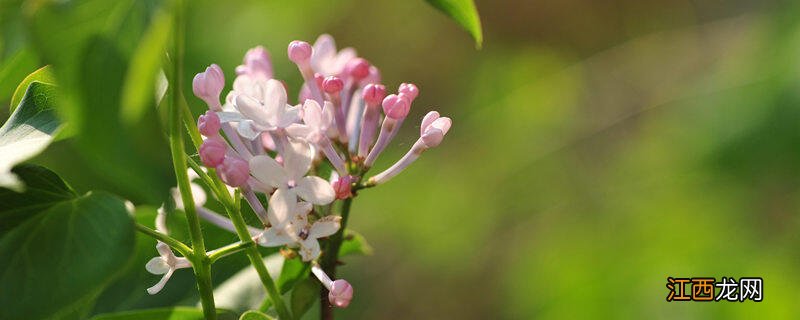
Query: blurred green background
[598, 147]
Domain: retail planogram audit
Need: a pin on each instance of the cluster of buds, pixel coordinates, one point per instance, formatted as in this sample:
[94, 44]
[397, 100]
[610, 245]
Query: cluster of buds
[344, 116]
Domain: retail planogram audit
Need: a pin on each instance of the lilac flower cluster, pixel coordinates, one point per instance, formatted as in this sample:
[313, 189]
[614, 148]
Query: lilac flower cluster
[258, 142]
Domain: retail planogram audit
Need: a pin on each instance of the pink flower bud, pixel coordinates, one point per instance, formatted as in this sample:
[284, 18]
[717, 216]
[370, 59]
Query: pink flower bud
[374, 93]
[256, 63]
[341, 293]
[208, 85]
[396, 107]
[299, 52]
[410, 90]
[358, 68]
[332, 84]
[373, 77]
[433, 129]
[209, 124]
[234, 171]
[212, 151]
[342, 187]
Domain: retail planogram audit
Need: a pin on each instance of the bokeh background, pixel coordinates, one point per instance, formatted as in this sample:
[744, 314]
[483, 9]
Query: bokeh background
[598, 147]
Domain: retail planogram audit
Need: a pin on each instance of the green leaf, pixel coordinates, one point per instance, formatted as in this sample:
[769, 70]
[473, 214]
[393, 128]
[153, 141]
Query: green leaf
[90, 44]
[255, 315]
[137, 166]
[44, 189]
[464, 13]
[43, 75]
[354, 243]
[12, 70]
[55, 264]
[176, 313]
[138, 93]
[292, 271]
[27, 132]
[304, 295]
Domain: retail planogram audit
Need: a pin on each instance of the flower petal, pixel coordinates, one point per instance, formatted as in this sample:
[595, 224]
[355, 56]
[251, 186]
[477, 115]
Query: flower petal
[299, 131]
[290, 115]
[309, 249]
[268, 171]
[312, 113]
[282, 207]
[160, 285]
[157, 265]
[315, 190]
[253, 110]
[229, 116]
[275, 98]
[247, 129]
[324, 227]
[274, 237]
[297, 159]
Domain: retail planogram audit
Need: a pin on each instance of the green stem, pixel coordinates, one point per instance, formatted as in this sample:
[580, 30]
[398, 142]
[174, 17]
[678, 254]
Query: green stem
[170, 241]
[330, 259]
[200, 262]
[258, 263]
[202, 272]
[232, 248]
[190, 124]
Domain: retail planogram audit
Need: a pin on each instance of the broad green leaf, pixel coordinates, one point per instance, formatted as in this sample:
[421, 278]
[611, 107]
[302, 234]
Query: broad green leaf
[135, 166]
[43, 189]
[292, 271]
[27, 132]
[464, 13]
[303, 296]
[354, 243]
[145, 65]
[90, 43]
[176, 313]
[43, 75]
[55, 264]
[13, 69]
[255, 315]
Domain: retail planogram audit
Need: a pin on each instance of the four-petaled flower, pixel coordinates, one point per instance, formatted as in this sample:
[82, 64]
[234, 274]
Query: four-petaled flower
[300, 232]
[290, 180]
[165, 264]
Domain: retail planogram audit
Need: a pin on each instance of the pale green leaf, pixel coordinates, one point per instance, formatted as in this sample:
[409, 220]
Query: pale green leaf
[43, 75]
[141, 76]
[28, 131]
[464, 13]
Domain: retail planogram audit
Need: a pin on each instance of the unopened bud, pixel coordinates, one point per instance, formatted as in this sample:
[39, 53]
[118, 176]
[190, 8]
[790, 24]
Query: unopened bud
[340, 293]
[234, 171]
[299, 52]
[374, 93]
[396, 107]
[209, 124]
[208, 85]
[332, 84]
[358, 68]
[212, 151]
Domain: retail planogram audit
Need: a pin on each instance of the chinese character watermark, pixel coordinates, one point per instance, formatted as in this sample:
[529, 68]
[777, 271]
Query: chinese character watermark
[709, 289]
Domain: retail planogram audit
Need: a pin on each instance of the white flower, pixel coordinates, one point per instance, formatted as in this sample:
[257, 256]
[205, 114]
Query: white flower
[260, 106]
[326, 60]
[316, 122]
[165, 264]
[316, 128]
[302, 233]
[291, 181]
